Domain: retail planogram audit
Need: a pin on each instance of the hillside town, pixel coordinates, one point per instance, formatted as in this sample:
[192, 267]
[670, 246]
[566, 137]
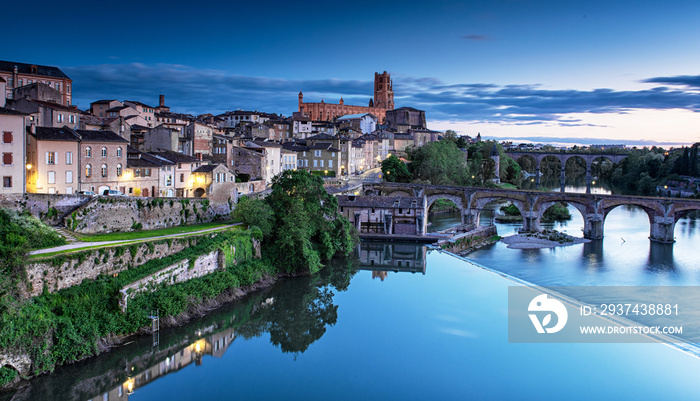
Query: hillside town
[127, 147]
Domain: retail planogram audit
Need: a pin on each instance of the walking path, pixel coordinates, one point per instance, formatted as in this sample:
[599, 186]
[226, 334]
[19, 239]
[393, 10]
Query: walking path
[80, 245]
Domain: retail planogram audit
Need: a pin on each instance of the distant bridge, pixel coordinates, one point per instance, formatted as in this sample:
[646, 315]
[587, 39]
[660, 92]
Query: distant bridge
[588, 159]
[663, 212]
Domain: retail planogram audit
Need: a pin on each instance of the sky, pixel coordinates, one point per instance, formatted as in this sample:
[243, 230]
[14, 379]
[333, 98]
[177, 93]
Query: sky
[560, 72]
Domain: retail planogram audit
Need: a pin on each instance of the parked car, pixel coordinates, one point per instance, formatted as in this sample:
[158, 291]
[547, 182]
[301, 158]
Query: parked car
[87, 193]
[112, 192]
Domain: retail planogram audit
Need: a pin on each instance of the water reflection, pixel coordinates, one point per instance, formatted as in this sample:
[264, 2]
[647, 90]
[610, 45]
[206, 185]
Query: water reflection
[382, 257]
[592, 255]
[295, 313]
[661, 258]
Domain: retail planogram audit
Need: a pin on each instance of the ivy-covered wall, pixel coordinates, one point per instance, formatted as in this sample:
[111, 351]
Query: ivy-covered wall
[66, 270]
[105, 215]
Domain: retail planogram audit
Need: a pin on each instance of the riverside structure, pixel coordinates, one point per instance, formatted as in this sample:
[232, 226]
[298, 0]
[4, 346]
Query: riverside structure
[663, 213]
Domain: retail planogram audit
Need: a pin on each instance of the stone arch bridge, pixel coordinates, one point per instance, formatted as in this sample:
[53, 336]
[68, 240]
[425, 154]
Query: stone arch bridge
[563, 157]
[663, 212]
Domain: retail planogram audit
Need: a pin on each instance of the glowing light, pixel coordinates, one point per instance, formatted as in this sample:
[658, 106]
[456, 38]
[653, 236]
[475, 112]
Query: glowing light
[29, 166]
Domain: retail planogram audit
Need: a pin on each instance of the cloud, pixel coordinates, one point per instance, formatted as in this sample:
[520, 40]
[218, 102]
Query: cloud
[584, 140]
[692, 81]
[197, 91]
[478, 38]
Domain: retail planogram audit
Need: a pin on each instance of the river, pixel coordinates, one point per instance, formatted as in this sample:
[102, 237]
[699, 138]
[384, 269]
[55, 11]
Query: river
[404, 322]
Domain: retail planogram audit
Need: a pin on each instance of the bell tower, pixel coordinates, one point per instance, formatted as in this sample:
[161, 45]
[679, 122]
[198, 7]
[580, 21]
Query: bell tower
[383, 91]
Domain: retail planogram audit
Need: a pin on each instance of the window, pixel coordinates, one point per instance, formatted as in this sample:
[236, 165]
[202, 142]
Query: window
[119, 152]
[315, 163]
[69, 177]
[168, 180]
[59, 118]
[50, 157]
[103, 170]
[7, 182]
[182, 177]
[321, 163]
[7, 137]
[7, 158]
[119, 170]
[88, 171]
[69, 190]
[69, 157]
[147, 172]
[88, 152]
[300, 163]
[317, 153]
[71, 119]
[52, 177]
[330, 163]
[104, 152]
[58, 86]
[332, 154]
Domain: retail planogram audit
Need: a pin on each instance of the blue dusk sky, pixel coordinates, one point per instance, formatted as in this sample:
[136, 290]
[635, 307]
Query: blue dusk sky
[562, 72]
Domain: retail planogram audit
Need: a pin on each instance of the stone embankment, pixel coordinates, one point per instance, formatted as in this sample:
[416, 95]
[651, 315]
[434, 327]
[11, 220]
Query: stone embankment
[465, 241]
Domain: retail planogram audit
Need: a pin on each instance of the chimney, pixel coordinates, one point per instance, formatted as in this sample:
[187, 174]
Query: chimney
[161, 100]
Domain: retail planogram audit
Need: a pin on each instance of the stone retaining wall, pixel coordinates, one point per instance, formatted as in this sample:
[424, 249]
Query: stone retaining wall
[120, 214]
[460, 242]
[49, 207]
[63, 271]
[177, 273]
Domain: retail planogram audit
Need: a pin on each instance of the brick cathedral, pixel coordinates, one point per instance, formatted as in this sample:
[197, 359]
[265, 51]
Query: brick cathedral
[383, 101]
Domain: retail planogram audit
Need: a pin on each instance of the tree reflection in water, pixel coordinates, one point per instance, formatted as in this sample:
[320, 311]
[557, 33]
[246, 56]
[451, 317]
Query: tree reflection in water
[296, 313]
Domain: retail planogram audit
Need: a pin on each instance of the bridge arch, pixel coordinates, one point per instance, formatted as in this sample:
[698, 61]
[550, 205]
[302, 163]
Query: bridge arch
[478, 205]
[457, 200]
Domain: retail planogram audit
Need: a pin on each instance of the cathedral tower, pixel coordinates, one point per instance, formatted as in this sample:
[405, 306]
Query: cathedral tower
[383, 91]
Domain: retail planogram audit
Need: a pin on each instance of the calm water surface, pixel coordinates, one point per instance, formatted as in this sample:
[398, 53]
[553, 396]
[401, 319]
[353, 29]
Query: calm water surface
[403, 322]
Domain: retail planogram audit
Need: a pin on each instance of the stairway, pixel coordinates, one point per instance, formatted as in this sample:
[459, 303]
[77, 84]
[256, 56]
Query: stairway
[70, 238]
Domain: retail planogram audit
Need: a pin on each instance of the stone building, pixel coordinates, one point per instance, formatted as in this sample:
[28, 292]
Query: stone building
[182, 171]
[102, 158]
[382, 102]
[364, 123]
[385, 215]
[52, 160]
[19, 74]
[12, 150]
[405, 118]
[47, 114]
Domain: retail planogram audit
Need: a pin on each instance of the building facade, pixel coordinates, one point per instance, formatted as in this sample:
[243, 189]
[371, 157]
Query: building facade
[19, 74]
[382, 102]
[12, 151]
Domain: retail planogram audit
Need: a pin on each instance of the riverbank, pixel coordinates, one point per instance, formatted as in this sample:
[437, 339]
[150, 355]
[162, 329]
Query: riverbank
[194, 310]
[544, 239]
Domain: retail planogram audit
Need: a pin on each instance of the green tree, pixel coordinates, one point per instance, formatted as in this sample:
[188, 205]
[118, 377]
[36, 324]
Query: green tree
[395, 170]
[440, 163]
[308, 228]
[255, 212]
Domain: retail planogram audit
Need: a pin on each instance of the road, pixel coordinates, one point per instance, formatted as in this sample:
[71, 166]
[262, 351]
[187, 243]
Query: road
[80, 245]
